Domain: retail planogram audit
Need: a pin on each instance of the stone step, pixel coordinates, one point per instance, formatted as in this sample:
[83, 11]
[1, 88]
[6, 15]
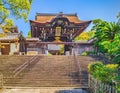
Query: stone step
[50, 71]
[43, 90]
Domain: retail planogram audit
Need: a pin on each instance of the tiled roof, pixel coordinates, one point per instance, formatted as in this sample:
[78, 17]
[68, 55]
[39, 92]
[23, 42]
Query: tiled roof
[43, 18]
[74, 19]
[32, 39]
[14, 29]
[10, 36]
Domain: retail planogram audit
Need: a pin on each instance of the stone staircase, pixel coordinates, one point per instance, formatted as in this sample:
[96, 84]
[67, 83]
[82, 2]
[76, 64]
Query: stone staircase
[49, 71]
[53, 72]
[44, 90]
[56, 71]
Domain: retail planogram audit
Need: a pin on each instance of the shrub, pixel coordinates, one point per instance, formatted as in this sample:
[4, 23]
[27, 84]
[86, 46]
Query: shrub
[112, 66]
[84, 54]
[116, 59]
[49, 54]
[91, 52]
[104, 73]
[93, 66]
[88, 53]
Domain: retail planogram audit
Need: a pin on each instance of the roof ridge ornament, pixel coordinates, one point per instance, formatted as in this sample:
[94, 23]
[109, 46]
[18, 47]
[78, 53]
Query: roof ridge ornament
[60, 13]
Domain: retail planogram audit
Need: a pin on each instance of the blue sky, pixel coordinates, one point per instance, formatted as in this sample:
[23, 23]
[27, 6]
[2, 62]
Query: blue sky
[85, 9]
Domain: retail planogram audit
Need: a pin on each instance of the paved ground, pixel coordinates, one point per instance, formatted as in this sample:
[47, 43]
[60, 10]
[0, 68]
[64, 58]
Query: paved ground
[43, 90]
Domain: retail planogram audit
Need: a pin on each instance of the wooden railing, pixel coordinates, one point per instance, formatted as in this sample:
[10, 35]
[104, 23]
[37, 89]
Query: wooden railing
[96, 86]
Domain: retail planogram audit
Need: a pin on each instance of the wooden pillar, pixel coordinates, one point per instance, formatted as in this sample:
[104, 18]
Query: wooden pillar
[26, 48]
[43, 49]
[71, 50]
[32, 31]
[0, 51]
[35, 31]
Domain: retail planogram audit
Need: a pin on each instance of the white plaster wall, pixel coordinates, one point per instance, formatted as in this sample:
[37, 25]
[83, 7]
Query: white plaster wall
[75, 50]
[54, 47]
[83, 48]
[13, 48]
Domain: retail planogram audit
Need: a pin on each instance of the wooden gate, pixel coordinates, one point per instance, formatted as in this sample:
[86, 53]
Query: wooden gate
[5, 50]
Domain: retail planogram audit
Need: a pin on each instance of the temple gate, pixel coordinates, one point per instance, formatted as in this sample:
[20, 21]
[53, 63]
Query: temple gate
[57, 28]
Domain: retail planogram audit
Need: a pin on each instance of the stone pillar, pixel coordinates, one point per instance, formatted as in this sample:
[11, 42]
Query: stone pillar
[1, 80]
[0, 52]
[43, 49]
[75, 50]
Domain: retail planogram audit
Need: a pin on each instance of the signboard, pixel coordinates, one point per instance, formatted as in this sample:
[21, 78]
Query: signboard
[54, 47]
[58, 31]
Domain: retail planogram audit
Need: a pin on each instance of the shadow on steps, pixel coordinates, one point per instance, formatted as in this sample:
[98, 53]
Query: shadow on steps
[73, 91]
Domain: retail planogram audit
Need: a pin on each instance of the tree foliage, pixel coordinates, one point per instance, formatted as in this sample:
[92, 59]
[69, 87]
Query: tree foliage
[85, 36]
[107, 41]
[29, 34]
[16, 8]
[104, 73]
[107, 36]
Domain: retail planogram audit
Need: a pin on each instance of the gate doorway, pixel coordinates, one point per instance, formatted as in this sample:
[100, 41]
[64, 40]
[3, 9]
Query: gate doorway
[55, 48]
[5, 50]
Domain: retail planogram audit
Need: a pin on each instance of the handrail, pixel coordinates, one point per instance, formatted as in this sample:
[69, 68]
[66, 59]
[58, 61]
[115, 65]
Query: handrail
[23, 66]
[77, 64]
[1, 80]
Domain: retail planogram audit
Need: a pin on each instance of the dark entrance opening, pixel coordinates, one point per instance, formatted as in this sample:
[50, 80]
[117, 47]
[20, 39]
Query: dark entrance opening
[5, 50]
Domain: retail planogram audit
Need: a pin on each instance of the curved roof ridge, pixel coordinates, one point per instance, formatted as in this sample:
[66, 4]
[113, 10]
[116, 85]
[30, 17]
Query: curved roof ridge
[54, 14]
[47, 17]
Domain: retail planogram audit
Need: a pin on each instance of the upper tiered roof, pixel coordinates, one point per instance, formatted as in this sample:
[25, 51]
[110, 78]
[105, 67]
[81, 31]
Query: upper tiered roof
[49, 22]
[47, 17]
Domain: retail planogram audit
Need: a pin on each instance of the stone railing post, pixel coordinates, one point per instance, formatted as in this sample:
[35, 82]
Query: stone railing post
[1, 80]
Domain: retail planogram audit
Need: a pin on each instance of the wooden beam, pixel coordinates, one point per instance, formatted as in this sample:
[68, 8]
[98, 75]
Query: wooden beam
[65, 43]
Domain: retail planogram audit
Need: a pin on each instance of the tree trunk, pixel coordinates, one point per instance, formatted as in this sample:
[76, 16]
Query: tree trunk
[3, 20]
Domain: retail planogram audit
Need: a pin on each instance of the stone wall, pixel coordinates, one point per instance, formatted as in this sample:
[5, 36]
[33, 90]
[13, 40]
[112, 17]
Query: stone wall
[84, 48]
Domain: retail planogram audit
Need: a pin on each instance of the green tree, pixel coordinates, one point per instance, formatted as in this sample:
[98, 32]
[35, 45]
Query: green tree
[16, 8]
[118, 16]
[85, 36]
[110, 32]
[29, 34]
[98, 24]
[106, 35]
